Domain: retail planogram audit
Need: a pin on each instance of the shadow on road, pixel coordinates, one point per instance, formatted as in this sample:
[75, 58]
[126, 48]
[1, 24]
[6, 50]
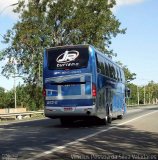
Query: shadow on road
[122, 140]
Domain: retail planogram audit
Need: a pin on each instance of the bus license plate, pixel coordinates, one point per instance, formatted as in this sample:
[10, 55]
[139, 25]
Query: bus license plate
[67, 109]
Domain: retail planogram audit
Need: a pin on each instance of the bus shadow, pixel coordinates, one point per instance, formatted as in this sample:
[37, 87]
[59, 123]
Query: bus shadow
[88, 123]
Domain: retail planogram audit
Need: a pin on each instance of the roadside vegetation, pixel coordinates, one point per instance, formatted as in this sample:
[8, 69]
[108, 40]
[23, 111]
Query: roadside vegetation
[49, 23]
[145, 94]
[25, 98]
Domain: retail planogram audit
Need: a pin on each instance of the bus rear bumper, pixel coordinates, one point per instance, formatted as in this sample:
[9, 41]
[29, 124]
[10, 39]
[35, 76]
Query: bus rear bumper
[58, 112]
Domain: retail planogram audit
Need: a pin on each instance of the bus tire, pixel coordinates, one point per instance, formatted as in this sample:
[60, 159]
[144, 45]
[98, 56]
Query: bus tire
[109, 119]
[120, 117]
[105, 120]
[109, 115]
[101, 121]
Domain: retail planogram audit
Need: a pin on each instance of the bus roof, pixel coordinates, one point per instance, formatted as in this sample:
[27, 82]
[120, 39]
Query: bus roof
[70, 46]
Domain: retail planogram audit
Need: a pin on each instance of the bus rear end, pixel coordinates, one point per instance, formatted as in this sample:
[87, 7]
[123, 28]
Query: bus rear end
[68, 85]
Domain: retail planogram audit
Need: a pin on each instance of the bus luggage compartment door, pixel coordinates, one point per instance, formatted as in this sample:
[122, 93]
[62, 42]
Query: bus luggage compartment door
[69, 87]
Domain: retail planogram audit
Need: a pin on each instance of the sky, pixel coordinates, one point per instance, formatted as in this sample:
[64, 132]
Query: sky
[137, 49]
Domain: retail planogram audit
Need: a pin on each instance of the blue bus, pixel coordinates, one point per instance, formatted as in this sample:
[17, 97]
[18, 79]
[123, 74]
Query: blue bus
[80, 82]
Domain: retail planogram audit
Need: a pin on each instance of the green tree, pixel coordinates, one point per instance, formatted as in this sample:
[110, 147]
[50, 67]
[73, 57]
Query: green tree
[133, 97]
[6, 98]
[26, 97]
[2, 97]
[129, 76]
[152, 91]
[48, 23]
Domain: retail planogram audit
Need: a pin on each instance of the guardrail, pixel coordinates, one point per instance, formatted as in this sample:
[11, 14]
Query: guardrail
[140, 105]
[22, 115]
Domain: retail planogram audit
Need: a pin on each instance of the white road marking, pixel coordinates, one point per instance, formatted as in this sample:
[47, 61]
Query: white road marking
[86, 137]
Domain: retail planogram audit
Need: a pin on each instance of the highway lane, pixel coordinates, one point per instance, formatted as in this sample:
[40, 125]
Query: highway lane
[47, 139]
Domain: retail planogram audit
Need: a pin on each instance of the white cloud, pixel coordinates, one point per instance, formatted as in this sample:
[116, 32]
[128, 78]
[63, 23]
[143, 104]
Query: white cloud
[128, 2]
[120, 3]
[6, 8]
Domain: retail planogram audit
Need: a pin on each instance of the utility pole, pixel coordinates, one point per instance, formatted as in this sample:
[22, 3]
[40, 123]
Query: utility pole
[149, 95]
[144, 95]
[137, 95]
[15, 90]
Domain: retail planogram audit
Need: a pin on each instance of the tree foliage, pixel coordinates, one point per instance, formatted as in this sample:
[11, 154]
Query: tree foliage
[129, 76]
[146, 94]
[49, 23]
[29, 96]
[6, 98]
[25, 97]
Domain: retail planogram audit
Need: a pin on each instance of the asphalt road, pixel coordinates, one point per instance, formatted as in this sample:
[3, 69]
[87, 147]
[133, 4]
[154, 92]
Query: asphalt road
[134, 137]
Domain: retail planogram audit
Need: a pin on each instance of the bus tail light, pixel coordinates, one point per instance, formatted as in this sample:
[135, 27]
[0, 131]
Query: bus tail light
[44, 92]
[94, 91]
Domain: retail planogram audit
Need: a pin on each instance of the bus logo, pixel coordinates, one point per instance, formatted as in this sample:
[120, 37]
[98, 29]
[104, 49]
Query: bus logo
[67, 56]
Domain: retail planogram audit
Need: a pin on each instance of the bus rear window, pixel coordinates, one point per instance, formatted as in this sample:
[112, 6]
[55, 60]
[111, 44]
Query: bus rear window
[67, 58]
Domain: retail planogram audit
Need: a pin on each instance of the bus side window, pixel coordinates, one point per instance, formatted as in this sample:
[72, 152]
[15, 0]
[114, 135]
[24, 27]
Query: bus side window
[118, 74]
[98, 64]
[111, 70]
[115, 73]
[101, 67]
[122, 76]
[106, 68]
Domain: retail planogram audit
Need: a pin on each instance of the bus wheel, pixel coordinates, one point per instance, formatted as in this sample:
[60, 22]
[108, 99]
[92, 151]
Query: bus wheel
[120, 117]
[102, 121]
[106, 120]
[109, 117]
